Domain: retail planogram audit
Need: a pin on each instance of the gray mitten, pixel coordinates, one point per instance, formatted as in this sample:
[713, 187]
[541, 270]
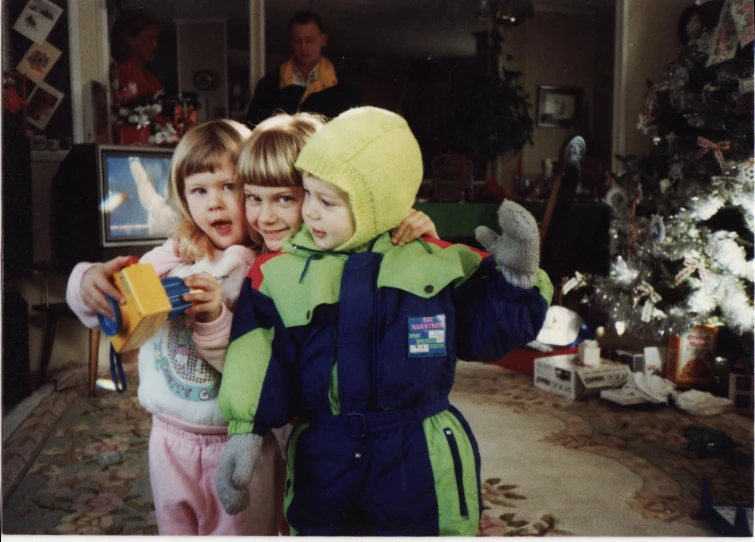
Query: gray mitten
[517, 249]
[240, 456]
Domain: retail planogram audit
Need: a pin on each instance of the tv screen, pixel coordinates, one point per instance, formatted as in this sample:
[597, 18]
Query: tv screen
[134, 205]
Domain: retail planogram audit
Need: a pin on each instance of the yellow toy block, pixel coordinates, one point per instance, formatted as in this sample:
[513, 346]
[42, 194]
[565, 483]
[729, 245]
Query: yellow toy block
[147, 306]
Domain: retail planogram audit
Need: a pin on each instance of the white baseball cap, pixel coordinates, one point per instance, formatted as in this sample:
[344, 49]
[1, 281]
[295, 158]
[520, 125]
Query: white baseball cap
[561, 326]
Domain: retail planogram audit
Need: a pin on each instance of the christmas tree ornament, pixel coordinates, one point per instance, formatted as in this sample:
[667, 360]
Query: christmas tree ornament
[725, 41]
[742, 13]
[616, 198]
[676, 171]
[656, 228]
[650, 108]
[717, 148]
[692, 264]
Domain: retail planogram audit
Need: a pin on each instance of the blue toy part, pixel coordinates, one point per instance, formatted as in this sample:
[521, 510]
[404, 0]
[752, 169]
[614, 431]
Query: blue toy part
[175, 288]
[111, 326]
[117, 375]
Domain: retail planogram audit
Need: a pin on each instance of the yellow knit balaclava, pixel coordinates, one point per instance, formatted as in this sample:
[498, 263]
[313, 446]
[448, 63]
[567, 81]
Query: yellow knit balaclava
[372, 155]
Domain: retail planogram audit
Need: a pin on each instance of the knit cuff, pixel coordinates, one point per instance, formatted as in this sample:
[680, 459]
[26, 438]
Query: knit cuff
[517, 279]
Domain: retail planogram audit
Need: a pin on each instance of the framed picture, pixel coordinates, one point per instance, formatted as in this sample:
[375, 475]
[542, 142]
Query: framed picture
[38, 61]
[43, 102]
[37, 19]
[558, 106]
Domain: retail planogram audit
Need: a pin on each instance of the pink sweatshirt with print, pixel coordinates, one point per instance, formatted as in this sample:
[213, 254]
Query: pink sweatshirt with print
[180, 367]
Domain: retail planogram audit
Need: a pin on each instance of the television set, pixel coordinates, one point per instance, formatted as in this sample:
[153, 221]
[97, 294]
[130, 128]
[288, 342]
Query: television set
[110, 200]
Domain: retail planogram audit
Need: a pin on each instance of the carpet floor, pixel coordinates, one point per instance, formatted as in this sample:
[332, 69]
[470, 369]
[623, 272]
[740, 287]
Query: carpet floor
[550, 466]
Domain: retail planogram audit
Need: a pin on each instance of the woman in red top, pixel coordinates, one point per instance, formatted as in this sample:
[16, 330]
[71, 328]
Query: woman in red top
[133, 43]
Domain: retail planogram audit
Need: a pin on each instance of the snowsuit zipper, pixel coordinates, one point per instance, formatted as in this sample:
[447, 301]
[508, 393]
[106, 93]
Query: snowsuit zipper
[463, 509]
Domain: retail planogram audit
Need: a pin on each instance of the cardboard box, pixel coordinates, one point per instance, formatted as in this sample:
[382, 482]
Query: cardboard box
[741, 386]
[633, 359]
[563, 375]
[690, 356]
[589, 353]
[655, 359]
[741, 392]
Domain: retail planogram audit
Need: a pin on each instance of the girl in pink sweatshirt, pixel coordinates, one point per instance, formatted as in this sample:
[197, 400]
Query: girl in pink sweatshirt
[181, 365]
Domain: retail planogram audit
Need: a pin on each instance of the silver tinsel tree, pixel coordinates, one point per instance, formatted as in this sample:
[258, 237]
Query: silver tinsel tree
[682, 228]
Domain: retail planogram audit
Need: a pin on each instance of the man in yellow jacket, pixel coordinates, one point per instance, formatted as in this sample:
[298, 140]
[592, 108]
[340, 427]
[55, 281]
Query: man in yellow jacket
[305, 82]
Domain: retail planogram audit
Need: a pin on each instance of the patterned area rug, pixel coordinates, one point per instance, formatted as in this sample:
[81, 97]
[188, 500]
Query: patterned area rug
[91, 475]
[549, 466]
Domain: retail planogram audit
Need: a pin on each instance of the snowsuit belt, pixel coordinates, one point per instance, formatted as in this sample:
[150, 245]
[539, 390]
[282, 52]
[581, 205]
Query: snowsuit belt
[362, 424]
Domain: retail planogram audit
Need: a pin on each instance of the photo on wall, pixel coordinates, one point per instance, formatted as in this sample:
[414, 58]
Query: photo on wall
[43, 102]
[38, 61]
[37, 19]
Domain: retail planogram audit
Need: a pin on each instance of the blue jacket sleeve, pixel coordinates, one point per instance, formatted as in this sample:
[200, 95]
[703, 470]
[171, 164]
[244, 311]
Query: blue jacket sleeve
[258, 389]
[494, 317]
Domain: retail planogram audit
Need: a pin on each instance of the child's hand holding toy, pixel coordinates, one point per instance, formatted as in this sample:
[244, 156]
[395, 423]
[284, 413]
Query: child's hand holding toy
[97, 283]
[205, 297]
[517, 248]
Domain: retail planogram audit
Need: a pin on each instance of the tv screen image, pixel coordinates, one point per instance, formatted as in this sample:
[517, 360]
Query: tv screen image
[134, 202]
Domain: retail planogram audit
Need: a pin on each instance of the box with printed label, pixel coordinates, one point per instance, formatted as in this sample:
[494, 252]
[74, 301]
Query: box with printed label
[563, 375]
[690, 356]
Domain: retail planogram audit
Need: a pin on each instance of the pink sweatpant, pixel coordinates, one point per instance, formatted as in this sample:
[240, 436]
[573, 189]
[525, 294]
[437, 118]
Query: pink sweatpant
[183, 465]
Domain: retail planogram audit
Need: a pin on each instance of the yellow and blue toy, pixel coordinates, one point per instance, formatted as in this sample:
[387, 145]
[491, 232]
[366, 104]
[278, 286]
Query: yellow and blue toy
[150, 301]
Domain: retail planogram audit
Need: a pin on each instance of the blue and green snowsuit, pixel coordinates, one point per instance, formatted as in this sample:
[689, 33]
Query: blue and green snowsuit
[361, 348]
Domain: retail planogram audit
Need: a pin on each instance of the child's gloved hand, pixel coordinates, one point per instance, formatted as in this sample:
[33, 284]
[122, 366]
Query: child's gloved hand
[240, 456]
[517, 249]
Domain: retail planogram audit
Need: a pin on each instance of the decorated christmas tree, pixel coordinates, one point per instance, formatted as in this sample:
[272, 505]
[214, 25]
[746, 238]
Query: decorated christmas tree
[682, 228]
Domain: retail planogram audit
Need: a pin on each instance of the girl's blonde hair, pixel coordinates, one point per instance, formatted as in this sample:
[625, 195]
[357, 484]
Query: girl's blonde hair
[267, 158]
[205, 148]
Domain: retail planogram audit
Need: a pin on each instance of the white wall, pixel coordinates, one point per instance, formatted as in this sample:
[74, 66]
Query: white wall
[202, 45]
[89, 53]
[651, 42]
